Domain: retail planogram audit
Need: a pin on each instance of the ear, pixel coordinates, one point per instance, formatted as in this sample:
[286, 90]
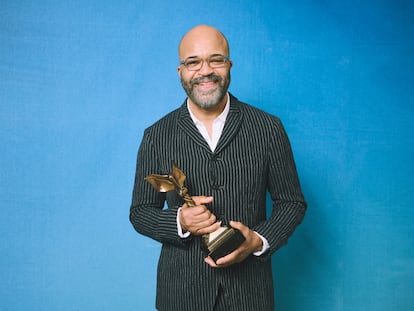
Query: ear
[179, 71]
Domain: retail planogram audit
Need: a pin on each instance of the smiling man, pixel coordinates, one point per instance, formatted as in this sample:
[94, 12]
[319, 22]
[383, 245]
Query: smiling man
[232, 154]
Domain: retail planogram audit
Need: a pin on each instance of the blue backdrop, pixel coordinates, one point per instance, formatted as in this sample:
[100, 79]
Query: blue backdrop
[79, 82]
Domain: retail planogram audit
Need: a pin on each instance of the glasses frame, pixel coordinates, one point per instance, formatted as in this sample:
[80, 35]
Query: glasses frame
[184, 62]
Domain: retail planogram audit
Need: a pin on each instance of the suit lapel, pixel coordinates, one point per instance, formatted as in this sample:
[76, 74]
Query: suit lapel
[233, 122]
[232, 125]
[188, 127]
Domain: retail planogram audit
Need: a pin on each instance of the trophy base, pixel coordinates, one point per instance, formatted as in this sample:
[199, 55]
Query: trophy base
[222, 242]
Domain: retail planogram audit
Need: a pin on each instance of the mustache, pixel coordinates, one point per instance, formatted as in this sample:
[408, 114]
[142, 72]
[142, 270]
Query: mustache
[209, 78]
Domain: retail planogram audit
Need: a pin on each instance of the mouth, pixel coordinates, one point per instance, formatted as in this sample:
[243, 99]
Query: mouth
[207, 85]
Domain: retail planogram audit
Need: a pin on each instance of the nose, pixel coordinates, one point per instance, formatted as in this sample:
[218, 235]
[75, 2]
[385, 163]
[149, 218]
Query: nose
[205, 68]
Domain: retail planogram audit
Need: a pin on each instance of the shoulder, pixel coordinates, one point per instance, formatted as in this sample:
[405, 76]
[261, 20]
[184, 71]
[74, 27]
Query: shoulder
[255, 116]
[166, 123]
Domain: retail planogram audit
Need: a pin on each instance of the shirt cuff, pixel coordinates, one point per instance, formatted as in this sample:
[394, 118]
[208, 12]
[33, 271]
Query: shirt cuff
[179, 228]
[265, 246]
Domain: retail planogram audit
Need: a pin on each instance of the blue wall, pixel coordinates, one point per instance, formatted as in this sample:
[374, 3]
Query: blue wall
[79, 82]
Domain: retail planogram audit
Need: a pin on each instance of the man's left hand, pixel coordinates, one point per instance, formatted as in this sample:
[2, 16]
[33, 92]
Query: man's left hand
[252, 244]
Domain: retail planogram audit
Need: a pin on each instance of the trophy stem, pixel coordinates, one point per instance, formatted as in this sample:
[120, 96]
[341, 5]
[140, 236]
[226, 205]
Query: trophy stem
[183, 192]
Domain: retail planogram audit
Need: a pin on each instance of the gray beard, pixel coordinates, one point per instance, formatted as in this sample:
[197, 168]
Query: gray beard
[207, 100]
[211, 98]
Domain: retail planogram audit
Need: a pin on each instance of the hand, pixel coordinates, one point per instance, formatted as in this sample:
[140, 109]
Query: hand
[198, 219]
[253, 243]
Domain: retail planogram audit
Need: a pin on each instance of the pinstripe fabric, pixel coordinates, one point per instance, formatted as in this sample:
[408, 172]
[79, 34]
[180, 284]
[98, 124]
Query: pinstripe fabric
[253, 156]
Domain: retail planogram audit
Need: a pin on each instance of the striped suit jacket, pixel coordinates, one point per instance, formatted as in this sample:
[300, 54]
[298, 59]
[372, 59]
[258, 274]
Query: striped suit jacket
[252, 157]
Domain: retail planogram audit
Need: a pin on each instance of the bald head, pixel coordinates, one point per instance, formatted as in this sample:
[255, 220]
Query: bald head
[201, 40]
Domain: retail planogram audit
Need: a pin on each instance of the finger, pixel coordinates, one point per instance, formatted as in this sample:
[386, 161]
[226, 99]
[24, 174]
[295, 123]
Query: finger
[241, 227]
[228, 259]
[207, 223]
[208, 229]
[210, 262]
[186, 206]
[236, 224]
[232, 258]
[198, 211]
[199, 200]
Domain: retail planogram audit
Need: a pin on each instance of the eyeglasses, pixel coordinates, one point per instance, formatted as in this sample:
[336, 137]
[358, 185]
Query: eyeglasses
[194, 63]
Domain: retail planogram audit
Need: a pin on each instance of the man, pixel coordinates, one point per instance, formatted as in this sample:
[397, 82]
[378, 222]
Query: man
[232, 154]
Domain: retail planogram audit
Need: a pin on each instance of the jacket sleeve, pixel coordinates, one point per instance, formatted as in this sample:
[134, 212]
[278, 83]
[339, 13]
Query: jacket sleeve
[288, 204]
[147, 213]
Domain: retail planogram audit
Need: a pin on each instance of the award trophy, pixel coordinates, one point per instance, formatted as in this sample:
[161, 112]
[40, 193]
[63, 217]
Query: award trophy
[217, 244]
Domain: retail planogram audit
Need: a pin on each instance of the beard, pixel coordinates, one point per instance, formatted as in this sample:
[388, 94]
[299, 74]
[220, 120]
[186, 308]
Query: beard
[207, 99]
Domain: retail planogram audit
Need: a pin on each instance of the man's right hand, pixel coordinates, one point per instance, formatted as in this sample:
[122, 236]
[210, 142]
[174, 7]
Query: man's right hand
[198, 220]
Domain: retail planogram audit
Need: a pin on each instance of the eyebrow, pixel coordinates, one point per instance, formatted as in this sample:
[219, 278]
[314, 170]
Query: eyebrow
[195, 56]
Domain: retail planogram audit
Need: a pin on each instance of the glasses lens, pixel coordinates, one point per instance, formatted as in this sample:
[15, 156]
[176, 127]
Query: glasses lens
[217, 61]
[195, 63]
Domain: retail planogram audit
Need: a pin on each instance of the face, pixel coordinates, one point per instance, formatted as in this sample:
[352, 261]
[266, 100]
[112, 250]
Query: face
[205, 87]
